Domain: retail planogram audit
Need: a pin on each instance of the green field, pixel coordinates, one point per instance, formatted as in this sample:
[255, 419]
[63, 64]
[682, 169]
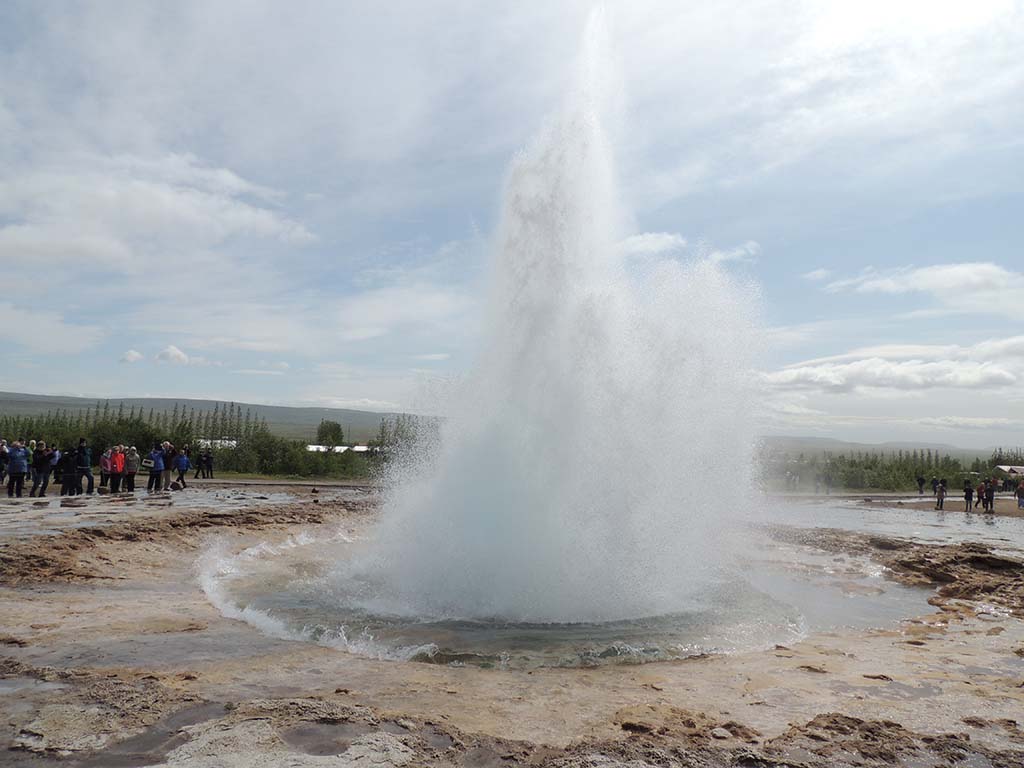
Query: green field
[292, 423]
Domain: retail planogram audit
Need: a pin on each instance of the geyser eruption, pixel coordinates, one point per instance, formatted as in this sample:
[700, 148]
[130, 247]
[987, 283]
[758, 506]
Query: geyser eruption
[594, 455]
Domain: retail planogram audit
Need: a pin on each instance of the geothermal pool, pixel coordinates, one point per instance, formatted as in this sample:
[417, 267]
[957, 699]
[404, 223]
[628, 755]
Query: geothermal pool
[772, 593]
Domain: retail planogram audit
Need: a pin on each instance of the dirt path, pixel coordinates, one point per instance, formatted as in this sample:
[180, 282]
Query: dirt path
[109, 652]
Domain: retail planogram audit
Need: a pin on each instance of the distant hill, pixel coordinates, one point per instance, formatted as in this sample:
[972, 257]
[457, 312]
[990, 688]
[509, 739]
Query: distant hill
[294, 423]
[818, 445]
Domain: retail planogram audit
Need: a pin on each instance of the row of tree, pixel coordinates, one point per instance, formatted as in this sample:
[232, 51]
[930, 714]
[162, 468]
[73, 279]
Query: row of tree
[239, 441]
[889, 471]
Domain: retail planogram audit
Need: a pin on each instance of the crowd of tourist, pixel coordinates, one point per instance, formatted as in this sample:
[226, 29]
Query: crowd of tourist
[33, 463]
[983, 494]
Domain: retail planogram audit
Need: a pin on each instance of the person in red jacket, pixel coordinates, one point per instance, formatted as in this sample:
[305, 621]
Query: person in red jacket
[116, 468]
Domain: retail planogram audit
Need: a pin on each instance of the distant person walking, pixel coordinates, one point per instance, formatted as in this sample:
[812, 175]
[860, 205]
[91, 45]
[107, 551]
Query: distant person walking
[183, 465]
[132, 462]
[83, 466]
[17, 468]
[156, 469]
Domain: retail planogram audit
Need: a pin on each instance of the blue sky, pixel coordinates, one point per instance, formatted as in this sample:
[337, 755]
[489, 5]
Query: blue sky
[293, 205]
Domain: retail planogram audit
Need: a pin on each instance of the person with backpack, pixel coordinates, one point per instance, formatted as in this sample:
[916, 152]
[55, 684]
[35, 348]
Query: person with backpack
[17, 468]
[40, 470]
[155, 463]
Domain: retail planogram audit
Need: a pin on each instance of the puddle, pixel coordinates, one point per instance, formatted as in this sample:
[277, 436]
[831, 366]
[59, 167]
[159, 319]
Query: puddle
[152, 745]
[324, 739]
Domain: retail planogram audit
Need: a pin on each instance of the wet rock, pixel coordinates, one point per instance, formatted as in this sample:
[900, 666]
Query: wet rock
[64, 729]
[720, 733]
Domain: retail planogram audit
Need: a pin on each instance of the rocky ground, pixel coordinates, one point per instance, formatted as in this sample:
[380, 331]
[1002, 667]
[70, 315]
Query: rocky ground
[110, 655]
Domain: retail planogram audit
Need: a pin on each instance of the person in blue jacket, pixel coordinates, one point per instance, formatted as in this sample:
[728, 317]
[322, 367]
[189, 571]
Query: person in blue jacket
[156, 470]
[183, 465]
[17, 468]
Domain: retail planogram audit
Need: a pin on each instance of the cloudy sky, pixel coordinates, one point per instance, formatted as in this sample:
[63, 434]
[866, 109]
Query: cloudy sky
[292, 203]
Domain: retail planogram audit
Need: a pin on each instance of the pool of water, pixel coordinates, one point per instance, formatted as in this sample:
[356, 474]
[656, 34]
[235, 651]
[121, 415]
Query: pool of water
[941, 527]
[772, 593]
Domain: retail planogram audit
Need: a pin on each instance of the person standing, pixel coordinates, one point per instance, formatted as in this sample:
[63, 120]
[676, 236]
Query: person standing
[55, 456]
[979, 494]
[132, 461]
[105, 467]
[935, 486]
[183, 465]
[156, 469]
[940, 495]
[40, 470]
[208, 461]
[169, 454]
[990, 496]
[968, 495]
[83, 466]
[920, 485]
[17, 468]
[69, 473]
[116, 468]
[4, 458]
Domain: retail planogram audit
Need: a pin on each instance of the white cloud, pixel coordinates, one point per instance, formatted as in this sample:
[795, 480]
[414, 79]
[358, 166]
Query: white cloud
[972, 287]
[259, 372]
[745, 253]
[40, 331]
[171, 354]
[816, 275]
[432, 357]
[878, 373]
[995, 365]
[652, 243]
[132, 356]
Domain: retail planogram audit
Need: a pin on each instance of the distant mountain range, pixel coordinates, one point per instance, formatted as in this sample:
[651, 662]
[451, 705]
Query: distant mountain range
[300, 423]
[818, 445]
[295, 423]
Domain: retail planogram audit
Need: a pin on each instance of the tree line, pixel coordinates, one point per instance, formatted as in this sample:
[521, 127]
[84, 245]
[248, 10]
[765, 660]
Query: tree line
[879, 470]
[239, 441]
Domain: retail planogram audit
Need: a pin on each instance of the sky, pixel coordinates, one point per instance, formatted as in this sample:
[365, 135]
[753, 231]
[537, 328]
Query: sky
[294, 203]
